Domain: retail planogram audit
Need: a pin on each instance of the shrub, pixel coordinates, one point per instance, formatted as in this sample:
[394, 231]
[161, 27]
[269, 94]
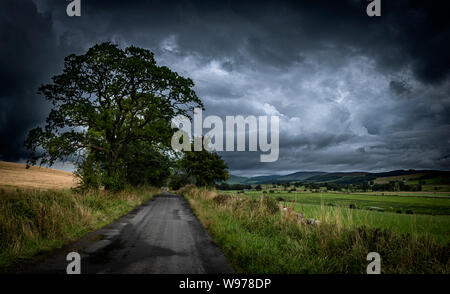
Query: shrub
[222, 199]
[270, 204]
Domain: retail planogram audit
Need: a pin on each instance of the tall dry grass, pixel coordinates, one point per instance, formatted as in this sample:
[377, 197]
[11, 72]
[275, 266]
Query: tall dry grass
[32, 221]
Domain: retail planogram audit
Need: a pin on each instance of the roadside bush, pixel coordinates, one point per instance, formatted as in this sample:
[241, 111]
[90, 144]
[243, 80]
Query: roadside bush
[270, 204]
[222, 199]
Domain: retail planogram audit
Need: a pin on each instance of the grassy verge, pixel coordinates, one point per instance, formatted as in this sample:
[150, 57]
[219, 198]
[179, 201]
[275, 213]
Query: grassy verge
[33, 221]
[257, 237]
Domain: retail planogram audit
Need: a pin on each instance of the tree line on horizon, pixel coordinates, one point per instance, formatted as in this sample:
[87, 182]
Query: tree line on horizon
[328, 186]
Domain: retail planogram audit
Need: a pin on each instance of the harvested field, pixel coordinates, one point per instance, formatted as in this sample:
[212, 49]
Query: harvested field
[16, 175]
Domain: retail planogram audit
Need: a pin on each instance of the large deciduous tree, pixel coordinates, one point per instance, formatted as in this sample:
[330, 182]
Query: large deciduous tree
[112, 108]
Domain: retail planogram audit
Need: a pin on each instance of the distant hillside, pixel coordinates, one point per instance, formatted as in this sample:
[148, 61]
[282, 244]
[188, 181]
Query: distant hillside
[294, 177]
[261, 179]
[250, 181]
[236, 180]
[349, 178]
[341, 178]
[299, 176]
[16, 175]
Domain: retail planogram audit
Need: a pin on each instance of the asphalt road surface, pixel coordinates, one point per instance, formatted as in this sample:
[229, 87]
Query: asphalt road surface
[160, 236]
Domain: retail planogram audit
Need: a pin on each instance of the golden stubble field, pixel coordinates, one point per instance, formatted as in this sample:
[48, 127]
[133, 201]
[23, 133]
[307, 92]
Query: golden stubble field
[16, 175]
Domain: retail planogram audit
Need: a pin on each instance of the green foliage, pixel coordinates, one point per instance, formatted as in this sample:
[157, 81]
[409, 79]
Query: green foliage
[205, 167]
[112, 108]
[146, 165]
[178, 181]
[89, 173]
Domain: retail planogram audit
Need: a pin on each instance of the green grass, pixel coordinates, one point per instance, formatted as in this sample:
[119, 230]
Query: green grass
[431, 214]
[33, 222]
[257, 237]
[423, 194]
[436, 227]
[392, 202]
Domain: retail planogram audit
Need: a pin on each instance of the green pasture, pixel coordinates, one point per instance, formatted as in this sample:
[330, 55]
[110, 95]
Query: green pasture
[430, 212]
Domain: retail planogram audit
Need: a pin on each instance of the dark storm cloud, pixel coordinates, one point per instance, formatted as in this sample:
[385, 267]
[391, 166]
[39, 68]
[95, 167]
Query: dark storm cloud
[341, 82]
[27, 52]
[279, 33]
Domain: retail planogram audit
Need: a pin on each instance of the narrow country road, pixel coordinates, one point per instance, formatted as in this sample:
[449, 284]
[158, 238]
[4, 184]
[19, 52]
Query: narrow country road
[160, 236]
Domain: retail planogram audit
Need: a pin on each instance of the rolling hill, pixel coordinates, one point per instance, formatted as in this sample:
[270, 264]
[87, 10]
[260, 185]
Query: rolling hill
[353, 178]
[16, 175]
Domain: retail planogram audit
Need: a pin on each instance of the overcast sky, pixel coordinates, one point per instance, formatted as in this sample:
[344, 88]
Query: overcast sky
[353, 92]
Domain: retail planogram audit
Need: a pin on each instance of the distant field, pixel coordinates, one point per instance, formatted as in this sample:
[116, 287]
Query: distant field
[429, 203]
[425, 193]
[431, 210]
[15, 175]
[430, 183]
[385, 180]
[434, 226]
